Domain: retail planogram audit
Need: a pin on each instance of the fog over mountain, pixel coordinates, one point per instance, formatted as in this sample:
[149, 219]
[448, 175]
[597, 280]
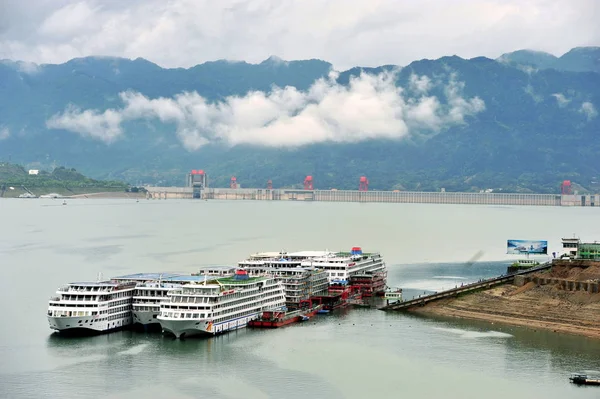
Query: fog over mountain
[521, 122]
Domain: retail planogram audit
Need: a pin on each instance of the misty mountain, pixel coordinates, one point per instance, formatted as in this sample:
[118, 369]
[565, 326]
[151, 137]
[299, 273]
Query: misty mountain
[452, 123]
[579, 59]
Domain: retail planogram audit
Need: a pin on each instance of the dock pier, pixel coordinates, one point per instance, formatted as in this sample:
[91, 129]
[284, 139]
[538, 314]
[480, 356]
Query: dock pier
[468, 288]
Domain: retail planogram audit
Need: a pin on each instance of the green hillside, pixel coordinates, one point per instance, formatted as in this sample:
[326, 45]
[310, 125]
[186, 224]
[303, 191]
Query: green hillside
[16, 180]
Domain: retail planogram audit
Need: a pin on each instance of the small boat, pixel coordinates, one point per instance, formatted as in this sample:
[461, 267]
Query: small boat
[525, 263]
[64, 202]
[393, 294]
[283, 317]
[584, 379]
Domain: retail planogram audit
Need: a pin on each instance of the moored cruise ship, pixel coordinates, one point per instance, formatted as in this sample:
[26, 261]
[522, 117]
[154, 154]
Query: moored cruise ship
[219, 305]
[91, 306]
[151, 289]
[340, 266]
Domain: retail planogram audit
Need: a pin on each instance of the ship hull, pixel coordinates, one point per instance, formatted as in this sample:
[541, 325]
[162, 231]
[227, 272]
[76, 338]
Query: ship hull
[146, 318]
[86, 324]
[190, 327]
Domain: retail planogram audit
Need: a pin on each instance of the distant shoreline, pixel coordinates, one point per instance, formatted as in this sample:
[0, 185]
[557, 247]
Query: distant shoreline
[100, 195]
[108, 195]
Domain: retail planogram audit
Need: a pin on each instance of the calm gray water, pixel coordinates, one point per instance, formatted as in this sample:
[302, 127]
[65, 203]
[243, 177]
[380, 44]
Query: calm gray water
[357, 353]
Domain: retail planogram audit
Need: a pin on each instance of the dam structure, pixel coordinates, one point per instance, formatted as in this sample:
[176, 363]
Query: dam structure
[198, 188]
[406, 197]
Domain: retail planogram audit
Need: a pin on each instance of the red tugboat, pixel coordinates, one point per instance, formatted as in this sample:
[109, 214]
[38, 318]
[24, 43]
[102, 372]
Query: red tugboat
[279, 318]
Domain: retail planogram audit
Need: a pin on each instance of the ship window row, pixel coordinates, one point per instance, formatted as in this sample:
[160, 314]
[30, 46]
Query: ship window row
[258, 294]
[245, 312]
[185, 307]
[70, 313]
[75, 297]
[121, 294]
[75, 305]
[113, 300]
[248, 306]
[120, 309]
[241, 314]
[150, 301]
[121, 302]
[146, 308]
[160, 293]
[199, 291]
[85, 289]
[192, 299]
[182, 315]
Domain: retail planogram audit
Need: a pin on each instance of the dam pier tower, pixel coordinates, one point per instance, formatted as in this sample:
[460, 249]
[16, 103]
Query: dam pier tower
[198, 181]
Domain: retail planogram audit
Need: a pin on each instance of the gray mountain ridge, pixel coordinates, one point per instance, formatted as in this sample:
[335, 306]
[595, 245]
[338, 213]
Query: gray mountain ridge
[537, 128]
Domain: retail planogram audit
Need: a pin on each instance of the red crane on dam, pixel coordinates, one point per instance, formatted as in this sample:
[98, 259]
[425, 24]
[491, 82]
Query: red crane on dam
[565, 187]
[308, 183]
[363, 184]
[233, 182]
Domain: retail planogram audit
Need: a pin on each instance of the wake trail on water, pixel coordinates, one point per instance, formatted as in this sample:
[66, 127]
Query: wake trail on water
[474, 334]
[135, 350]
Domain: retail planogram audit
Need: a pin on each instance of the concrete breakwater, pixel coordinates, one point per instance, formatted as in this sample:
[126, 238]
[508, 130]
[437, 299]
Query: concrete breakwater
[258, 194]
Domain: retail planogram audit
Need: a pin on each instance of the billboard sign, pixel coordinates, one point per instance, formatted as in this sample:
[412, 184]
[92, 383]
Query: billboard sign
[517, 247]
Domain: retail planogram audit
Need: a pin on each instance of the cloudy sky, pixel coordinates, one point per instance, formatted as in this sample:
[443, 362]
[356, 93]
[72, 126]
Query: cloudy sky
[371, 106]
[177, 33]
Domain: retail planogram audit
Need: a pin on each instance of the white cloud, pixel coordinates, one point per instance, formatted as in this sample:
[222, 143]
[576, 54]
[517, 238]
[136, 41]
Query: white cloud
[420, 84]
[105, 126]
[589, 110]
[529, 90]
[459, 106]
[70, 20]
[528, 69]
[4, 133]
[561, 99]
[370, 107]
[179, 33]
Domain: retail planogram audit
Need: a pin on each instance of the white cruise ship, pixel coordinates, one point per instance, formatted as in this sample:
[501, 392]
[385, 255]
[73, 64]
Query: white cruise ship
[91, 306]
[151, 289]
[219, 305]
[340, 266]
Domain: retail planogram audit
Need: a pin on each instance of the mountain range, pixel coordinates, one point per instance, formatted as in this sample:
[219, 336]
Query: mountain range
[520, 123]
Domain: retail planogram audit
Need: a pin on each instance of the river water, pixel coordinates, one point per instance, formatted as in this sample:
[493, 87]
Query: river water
[356, 353]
